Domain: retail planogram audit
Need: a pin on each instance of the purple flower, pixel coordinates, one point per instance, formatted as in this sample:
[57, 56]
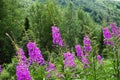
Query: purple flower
[85, 62]
[50, 69]
[31, 45]
[114, 29]
[87, 40]
[69, 60]
[0, 68]
[48, 75]
[106, 33]
[99, 58]
[59, 75]
[78, 50]
[21, 56]
[87, 48]
[22, 72]
[108, 42]
[57, 40]
[35, 54]
[107, 36]
[87, 44]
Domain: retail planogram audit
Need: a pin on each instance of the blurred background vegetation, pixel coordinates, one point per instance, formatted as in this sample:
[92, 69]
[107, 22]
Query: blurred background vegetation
[28, 20]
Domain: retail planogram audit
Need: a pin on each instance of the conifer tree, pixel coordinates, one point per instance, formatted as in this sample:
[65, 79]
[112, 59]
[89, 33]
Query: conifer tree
[42, 18]
[70, 25]
[11, 23]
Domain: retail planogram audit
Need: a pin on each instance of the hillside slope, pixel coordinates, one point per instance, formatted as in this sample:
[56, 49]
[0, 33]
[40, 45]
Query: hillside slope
[98, 9]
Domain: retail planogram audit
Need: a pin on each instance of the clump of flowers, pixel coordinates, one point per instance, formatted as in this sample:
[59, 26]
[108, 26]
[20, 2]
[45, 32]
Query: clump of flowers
[83, 55]
[79, 50]
[59, 75]
[99, 58]
[57, 40]
[85, 62]
[69, 60]
[114, 29]
[87, 44]
[106, 33]
[35, 54]
[50, 69]
[21, 56]
[22, 72]
[107, 36]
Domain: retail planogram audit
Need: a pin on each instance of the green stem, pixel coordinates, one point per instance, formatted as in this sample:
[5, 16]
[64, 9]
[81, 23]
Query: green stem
[94, 68]
[117, 66]
[116, 59]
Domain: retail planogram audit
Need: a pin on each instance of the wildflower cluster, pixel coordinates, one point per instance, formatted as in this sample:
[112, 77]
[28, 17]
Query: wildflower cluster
[107, 36]
[50, 69]
[22, 72]
[35, 56]
[35, 53]
[115, 30]
[87, 44]
[83, 55]
[21, 56]
[79, 51]
[69, 60]
[85, 62]
[57, 40]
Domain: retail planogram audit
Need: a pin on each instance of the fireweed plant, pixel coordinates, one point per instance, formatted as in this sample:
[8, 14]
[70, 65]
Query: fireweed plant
[50, 69]
[85, 63]
[112, 39]
[22, 71]
[57, 40]
[116, 38]
[35, 54]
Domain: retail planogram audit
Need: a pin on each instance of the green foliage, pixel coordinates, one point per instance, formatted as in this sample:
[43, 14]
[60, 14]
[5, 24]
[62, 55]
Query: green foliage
[70, 26]
[37, 72]
[98, 9]
[4, 75]
[75, 19]
[40, 23]
[9, 71]
[42, 14]
[10, 22]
